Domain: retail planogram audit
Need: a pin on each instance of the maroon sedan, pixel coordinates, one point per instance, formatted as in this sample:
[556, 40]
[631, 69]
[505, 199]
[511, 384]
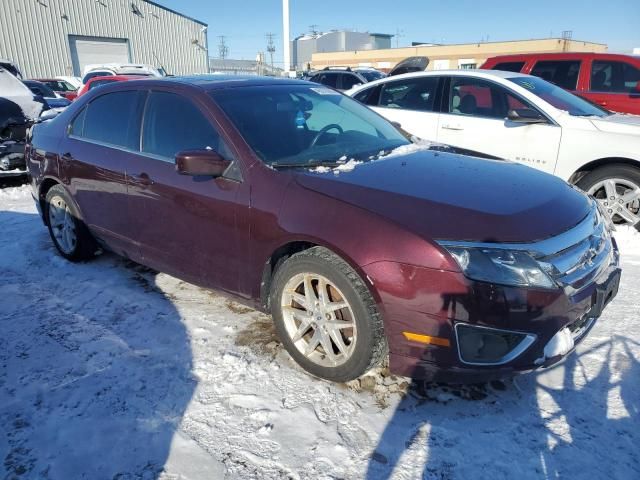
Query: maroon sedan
[287, 194]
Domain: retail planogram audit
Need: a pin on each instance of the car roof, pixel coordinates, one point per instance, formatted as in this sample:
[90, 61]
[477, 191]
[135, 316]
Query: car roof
[116, 77]
[204, 82]
[462, 72]
[214, 82]
[559, 55]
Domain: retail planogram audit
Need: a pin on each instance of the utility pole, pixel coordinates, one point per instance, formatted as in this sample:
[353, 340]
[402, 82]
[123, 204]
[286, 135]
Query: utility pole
[399, 33]
[566, 37]
[223, 49]
[271, 48]
[285, 36]
[313, 29]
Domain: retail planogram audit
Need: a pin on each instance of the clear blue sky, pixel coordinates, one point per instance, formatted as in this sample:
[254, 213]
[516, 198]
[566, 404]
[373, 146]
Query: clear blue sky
[245, 22]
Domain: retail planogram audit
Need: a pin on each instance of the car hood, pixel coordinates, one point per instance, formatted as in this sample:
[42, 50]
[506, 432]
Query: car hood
[618, 123]
[454, 197]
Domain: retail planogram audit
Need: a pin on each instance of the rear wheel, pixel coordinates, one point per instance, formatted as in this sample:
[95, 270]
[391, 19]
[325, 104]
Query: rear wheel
[617, 188]
[69, 234]
[326, 317]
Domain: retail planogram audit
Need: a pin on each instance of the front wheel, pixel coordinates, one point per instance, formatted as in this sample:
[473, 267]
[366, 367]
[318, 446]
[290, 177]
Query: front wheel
[326, 317]
[617, 189]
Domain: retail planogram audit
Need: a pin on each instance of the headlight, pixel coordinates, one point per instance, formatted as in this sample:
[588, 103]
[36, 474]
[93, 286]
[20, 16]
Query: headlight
[505, 267]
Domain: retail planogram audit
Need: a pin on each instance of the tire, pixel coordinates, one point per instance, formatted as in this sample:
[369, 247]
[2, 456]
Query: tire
[624, 208]
[364, 342]
[64, 223]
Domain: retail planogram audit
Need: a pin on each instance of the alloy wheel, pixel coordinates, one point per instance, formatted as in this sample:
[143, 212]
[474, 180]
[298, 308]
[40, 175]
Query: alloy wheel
[318, 319]
[62, 225]
[620, 199]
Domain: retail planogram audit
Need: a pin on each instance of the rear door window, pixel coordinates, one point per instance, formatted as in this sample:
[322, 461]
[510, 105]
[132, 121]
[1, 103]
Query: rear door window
[328, 79]
[77, 124]
[411, 94]
[509, 66]
[173, 123]
[614, 77]
[114, 119]
[563, 73]
[349, 80]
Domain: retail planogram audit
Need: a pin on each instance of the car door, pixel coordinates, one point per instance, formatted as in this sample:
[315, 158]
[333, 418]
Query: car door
[186, 225]
[100, 140]
[614, 85]
[411, 102]
[474, 117]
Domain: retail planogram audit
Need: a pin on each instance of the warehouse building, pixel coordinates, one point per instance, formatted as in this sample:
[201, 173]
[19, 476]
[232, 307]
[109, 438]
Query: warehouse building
[59, 37]
[304, 46]
[443, 57]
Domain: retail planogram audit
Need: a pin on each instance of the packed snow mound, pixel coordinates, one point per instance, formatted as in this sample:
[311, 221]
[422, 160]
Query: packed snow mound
[13, 91]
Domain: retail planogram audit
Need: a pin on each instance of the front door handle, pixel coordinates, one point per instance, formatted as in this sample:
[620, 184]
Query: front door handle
[448, 126]
[143, 180]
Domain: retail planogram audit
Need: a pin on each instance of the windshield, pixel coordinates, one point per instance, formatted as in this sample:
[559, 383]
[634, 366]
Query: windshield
[301, 125]
[40, 89]
[559, 98]
[59, 86]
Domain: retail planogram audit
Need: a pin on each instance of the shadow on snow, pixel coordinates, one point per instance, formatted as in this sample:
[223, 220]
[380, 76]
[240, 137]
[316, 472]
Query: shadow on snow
[95, 371]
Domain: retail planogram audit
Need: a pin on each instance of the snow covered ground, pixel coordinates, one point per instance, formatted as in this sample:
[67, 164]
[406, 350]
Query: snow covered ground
[110, 371]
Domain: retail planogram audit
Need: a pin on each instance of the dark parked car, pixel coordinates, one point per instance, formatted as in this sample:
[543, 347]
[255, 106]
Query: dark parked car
[51, 98]
[60, 87]
[282, 192]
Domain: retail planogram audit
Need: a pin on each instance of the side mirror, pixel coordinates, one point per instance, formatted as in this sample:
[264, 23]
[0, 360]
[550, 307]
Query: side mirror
[638, 86]
[201, 162]
[525, 115]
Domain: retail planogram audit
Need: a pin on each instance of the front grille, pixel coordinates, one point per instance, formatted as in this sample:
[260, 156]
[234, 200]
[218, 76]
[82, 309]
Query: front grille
[587, 252]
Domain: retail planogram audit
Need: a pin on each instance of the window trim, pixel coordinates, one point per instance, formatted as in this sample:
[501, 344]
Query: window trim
[98, 142]
[446, 95]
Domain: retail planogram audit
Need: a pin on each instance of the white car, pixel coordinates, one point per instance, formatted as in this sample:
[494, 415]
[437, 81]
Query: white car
[521, 118]
[75, 82]
[106, 69]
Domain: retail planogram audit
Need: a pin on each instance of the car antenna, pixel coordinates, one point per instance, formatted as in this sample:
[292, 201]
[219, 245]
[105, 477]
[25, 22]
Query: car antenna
[160, 64]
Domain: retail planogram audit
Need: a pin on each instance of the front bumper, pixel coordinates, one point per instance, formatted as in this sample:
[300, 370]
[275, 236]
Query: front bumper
[438, 300]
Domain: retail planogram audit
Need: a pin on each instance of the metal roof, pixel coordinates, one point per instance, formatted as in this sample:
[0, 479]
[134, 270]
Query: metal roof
[173, 11]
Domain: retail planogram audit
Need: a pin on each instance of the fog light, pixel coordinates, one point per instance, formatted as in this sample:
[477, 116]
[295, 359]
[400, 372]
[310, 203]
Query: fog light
[4, 163]
[490, 346]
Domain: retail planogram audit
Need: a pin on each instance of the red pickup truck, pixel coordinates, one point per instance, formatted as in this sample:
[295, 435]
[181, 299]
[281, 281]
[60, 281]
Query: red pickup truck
[610, 80]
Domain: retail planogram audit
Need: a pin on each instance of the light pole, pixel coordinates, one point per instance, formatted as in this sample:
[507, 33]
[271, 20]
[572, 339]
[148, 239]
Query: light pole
[285, 37]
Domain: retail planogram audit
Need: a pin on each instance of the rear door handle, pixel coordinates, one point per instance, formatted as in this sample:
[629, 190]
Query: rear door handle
[144, 180]
[448, 126]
